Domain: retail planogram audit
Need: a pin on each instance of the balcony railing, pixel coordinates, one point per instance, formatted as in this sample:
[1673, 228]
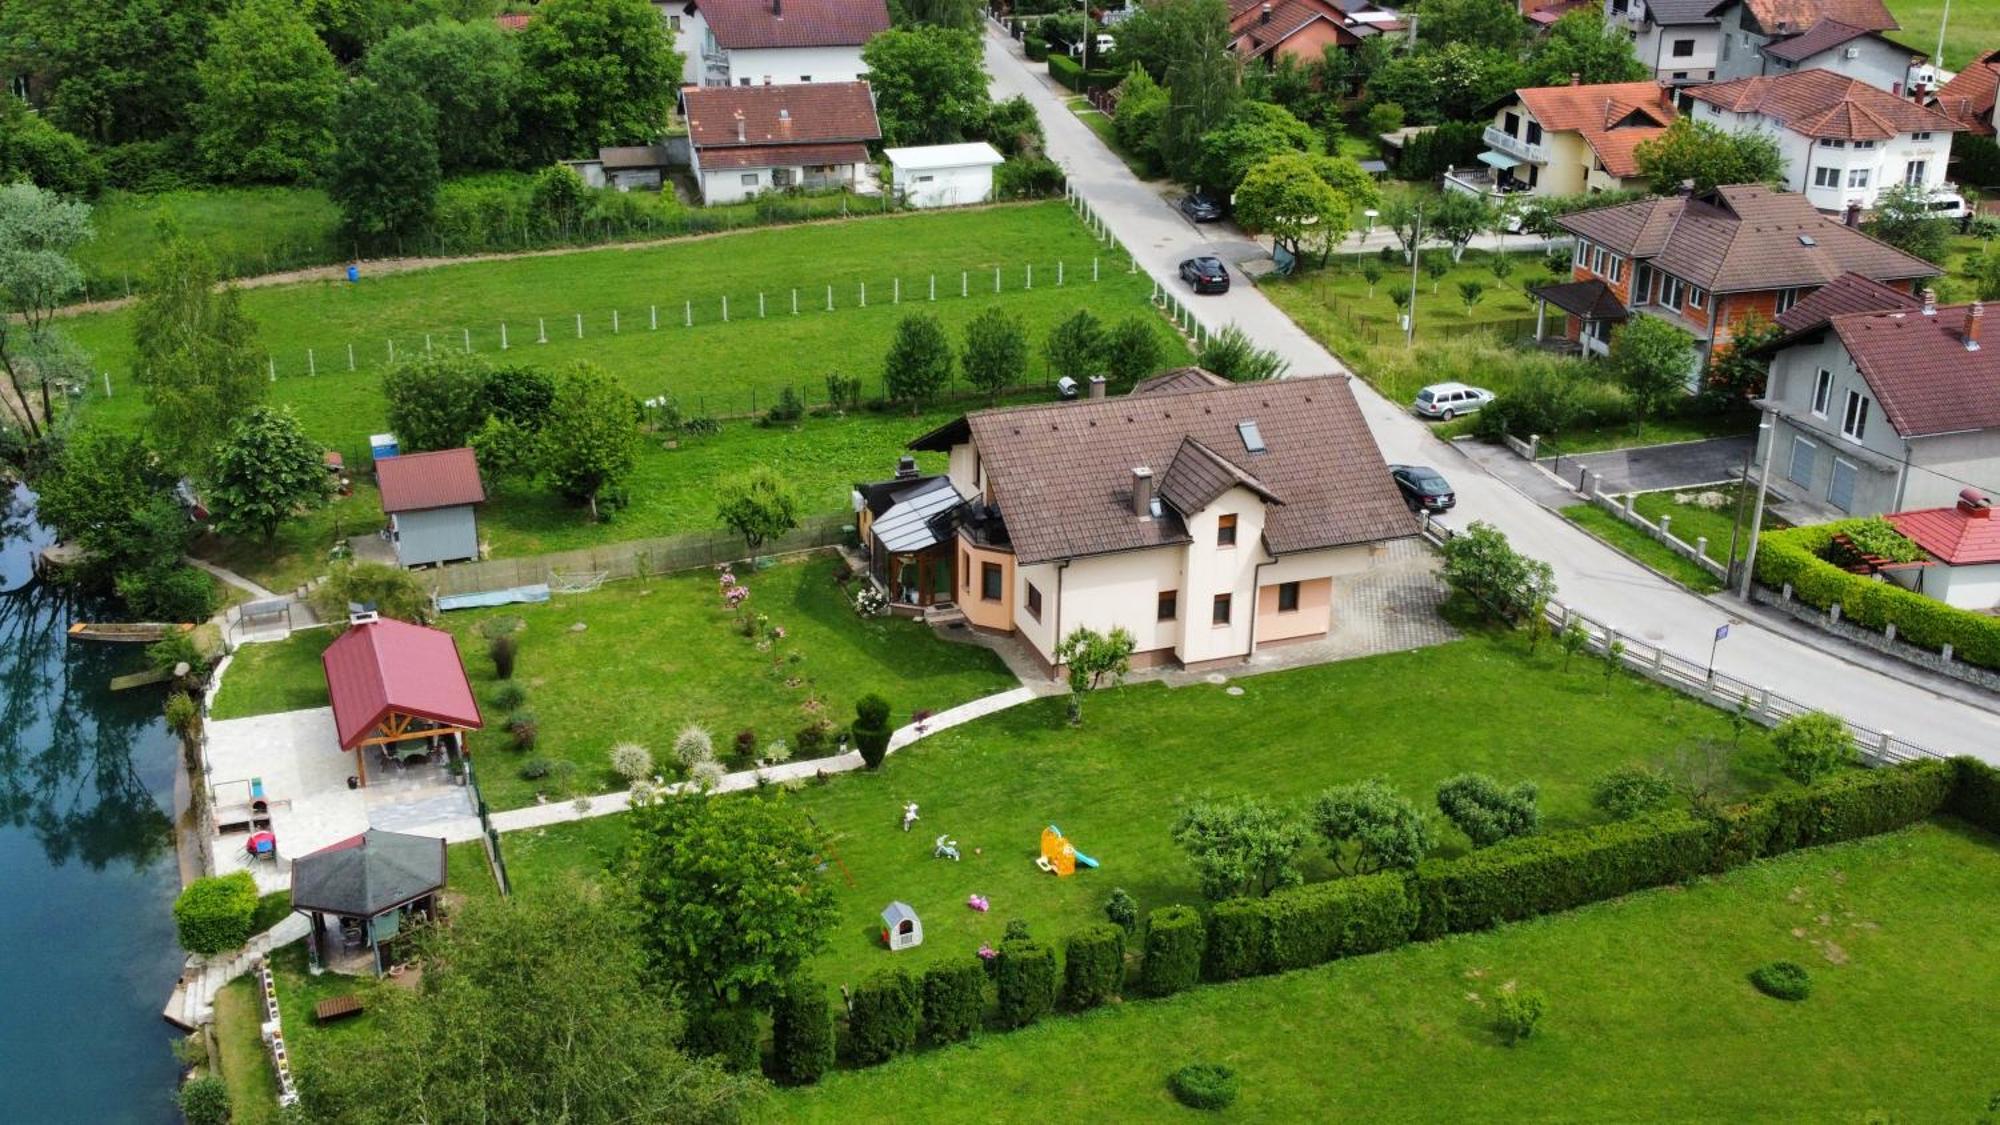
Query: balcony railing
[1503, 141]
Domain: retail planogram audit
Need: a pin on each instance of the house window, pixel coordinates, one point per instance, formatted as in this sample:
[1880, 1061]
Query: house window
[1220, 614]
[1922, 136]
[1034, 601]
[1864, 144]
[1697, 297]
[990, 587]
[743, 82]
[1857, 177]
[965, 570]
[1822, 392]
[749, 179]
[805, 78]
[1534, 132]
[1583, 252]
[1642, 285]
[1854, 421]
[1513, 124]
[1288, 597]
[1169, 606]
[674, 22]
[1826, 177]
[1597, 256]
[1840, 485]
[1832, 142]
[1683, 48]
[1225, 530]
[1786, 299]
[1617, 268]
[1913, 173]
[1672, 290]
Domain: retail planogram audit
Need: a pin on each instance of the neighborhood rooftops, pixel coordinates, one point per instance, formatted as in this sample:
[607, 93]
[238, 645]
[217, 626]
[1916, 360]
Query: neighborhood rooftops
[1821, 103]
[740, 25]
[442, 479]
[1791, 17]
[1848, 293]
[1612, 117]
[1968, 97]
[1743, 238]
[1963, 535]
[812, 113]
[386, 666]
[1677, 13]
[1062, 474]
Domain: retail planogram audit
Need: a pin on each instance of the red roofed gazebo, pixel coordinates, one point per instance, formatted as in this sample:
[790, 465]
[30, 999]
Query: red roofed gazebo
[393, 682]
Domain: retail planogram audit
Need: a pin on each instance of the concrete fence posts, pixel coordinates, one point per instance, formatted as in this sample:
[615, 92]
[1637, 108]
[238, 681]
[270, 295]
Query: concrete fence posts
[273, 365]
[1059, 275]
[312, 364]
[541, 330]
[725, 309]
[1666, 525]
[1031, 275]
[864, 294]
[392, 351]
[687, 314]
[933, 287]
[107, 394]
[964, 280]
[760, 304]
[996, 279]
[653, 318]
[467, 335]
[350, 357]
[1093, 269]
[1701, 547]
[614, 322]
[427, 343]
[795, 301]
[503, 335]
[896, 291]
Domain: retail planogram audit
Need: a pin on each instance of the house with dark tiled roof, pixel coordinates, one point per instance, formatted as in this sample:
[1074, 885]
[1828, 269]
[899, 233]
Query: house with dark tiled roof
[1304, 30]
[1676, 39]
[1568, 140]
[1843, 141]
[1766, 38]
[1211, 520]
[1881, 401]
[750, 139]
[773, 42]
[1707, 263]
[1969, 97]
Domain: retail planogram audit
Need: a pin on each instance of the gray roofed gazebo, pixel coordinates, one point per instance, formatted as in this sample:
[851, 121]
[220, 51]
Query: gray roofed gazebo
[371, 884]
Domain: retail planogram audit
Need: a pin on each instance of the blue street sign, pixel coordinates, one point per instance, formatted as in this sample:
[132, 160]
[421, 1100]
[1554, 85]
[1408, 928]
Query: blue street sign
[1721, 631]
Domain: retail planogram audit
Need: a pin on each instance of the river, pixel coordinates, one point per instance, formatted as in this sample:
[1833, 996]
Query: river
[87, 951]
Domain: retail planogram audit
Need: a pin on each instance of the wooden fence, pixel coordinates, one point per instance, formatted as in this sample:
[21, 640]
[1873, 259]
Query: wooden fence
[634, 558]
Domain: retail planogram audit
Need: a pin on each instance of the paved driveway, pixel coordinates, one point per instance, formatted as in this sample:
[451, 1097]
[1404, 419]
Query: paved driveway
[1649, 468]
[1601, 582]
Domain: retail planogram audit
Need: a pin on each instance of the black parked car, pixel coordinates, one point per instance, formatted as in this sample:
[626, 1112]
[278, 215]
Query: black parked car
[1423, 488]
[1206, 275]
[1201, 209]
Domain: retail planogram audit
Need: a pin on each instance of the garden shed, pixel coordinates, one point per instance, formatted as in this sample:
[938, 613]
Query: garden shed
[943, 175]
[429, 500]
[373, 886]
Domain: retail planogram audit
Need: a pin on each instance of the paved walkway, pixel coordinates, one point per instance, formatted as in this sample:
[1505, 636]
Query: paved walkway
[1594, 578]
[1650, 468]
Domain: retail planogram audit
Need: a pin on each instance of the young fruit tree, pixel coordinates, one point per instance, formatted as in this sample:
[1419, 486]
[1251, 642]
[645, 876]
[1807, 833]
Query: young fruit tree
[1088, 656]
[757, 504]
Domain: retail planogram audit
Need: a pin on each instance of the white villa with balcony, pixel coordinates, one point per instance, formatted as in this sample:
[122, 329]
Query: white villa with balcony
[774, 42]
[1567, 140]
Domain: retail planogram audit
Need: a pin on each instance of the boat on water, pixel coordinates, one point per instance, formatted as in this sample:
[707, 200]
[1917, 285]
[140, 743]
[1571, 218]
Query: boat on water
[142, 632]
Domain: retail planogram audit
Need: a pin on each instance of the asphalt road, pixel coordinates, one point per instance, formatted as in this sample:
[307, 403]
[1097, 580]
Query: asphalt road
[1649, 468]
[1590, 576]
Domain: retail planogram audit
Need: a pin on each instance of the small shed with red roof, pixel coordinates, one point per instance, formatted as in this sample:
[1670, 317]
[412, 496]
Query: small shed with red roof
[1965, 540]
[392, 683]
[429, 498]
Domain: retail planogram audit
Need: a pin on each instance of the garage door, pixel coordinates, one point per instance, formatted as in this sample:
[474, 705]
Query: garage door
[1840, 491]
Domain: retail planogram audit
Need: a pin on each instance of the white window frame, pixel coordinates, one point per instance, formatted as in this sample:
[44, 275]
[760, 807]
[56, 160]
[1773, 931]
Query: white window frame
[1854, 416]
[1921, 135]
[1857, 177]
[1826, 176]
[1822, 394]
[1672, 290]
[749, 179]
[1914, 172]
[1617, 268]
[1786, 299]
[1697, 297]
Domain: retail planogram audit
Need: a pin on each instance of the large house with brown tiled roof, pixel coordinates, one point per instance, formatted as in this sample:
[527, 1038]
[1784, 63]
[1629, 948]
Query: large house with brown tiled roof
[1881, 401]
[1969, 98]
[1843, 141]
[1762, 38]
[773, 42]
[1568, 140]
[1707, 263]
[1211, 520]
[750, 139]
[1304, 30]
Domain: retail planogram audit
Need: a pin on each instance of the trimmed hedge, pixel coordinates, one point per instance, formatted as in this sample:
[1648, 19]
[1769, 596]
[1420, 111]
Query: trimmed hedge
[1203, 1086]
[727, 1034]
[1175, 937]
[1066, 70]
[1027, 979]
[954, 1000]
[882, 1017]
[1855, 805]
[1316, 923]
[1794, 557]
[214, 914]
[801, 1033]
[1093, 965]
[1782, 980]
[1976, 796]
[1235, 940]
[1037, 48]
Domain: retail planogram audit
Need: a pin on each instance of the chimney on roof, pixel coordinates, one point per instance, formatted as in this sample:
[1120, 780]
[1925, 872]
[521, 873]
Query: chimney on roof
[906, 467]
[1096, 387]
[1973, 316]
[1853, 216]
[1684, 189]
[1142, 492]
[1264, 16]
[1575, 78]
[740, 137]
[1974, 504]
[361, 613]
[778, 8]
[1930, 301]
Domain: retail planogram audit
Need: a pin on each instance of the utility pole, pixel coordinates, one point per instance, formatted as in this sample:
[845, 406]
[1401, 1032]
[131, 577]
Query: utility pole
[1416, 249]
[1757, 515]
[1938, 59]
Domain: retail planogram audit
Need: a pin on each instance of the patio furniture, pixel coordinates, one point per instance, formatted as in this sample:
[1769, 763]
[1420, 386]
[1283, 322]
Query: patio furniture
[335, 1008]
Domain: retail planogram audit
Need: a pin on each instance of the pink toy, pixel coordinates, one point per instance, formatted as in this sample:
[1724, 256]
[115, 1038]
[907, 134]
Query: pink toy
[987, 952]
[977, 902]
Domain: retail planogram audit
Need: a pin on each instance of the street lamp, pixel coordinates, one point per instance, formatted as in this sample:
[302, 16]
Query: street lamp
[1765, 427]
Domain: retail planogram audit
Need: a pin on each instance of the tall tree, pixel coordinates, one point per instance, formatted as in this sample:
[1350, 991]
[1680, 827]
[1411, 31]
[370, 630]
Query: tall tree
[1699, 153]
[385, 173]
[1490, 23]
[1282, 197]
[960, 14]
[929, 84]
[38, 233]
[470, 73]
[269, 90]
[1201, 80]
[757, 504]
[32, 148]
[111, 72]
[1458, 217]
[1656, 361]
[595, 73]
[996, 350]
[1903, 219]
[436, 401]
[351, 28]
[113, 497]
[919, 361]
[591, 439]
[197, 356]
[1254, 131]
[267, 471]
[1154, 35]
[1580, 44]
[1450, 82]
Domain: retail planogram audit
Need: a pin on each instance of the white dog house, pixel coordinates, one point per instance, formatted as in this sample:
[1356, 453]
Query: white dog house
[943, 175]
[900, 927]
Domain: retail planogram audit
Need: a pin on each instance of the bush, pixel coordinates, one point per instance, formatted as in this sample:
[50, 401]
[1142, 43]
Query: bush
[1485, 812]
[393, 591]
[882, 1017]
[1976, 794]
[1812, 746]
[524, 728]
[1782, 980]
[871, 729]
[631, 761]
[535, 769]
[502, 650]
[1123, 909]
[1036, 47]
[1517, 1012]
[801, 1033]
[788, 409]
[810, 741]
[954, 1000]
[1794, 558]
[205, 1100]
[214, 914]
[1027, 980]
[727, 1034]
[1310, 925]
[1028, 177]
[167, 592]
[1093, 965]
[1235, 940]
[1203, 1086]
[746, 742]
[1630, 791]
[508, 697]
[1067, 71]
[1175, 937]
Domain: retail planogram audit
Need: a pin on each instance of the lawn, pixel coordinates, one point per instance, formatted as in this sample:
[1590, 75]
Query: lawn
[1643, 547]
[1115, 785]
[244, 1064]
[269, 677]
[1974, 27]
[1340, 295]
[249, 230]
[1650, 1016]
[1692, 519]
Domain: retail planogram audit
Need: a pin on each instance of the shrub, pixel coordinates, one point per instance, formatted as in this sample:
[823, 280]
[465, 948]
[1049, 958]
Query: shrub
[174, 649]
[954, 999]
[1310, 925]
[871, 729]
[1235, 940]
[693, 746]
[1067, 71]
[746, 742]
[205, 1100]
[167, 592]
[1783, 980]
[1028, 177]
[1794, 558]
[728, 1034]
[810, 741]
[1175, 937]
[1027, 980]
[631, 761]
[534, 769]
[1093, 965]
[1485, 812]
[1203, 1086]
[214, 914]
[1812, 746]
[509, 697]
[1976, 794]
[788, 409]
[1853, 806]
[1517, 1012]
[1123, 909]
[502, 650]
[801, 1032]
[392, 590]
[525, 729]
[1036, 47]
[1381, 826]
[882, 1018]
[1629, 791]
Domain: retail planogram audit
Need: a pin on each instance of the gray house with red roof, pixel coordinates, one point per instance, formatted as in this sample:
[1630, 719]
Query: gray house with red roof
[1847, 37]
[429, 500]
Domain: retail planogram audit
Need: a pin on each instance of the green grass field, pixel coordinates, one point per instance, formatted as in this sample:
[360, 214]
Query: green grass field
[244, 1063]
[247, 230]
[1651, 1018]
[1636, 543]
[1974, 27]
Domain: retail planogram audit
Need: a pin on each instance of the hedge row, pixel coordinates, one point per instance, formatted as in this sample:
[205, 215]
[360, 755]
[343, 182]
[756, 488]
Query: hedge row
[1093, 965]
[1976, 797]
[1794, 558]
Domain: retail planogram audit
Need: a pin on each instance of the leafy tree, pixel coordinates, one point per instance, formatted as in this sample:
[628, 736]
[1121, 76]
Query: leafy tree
[392, 590]
[996, 350]
[269, 91]
[385, 174]
[595, 73]
[1075, 347]
[1202, 76]
[1581, 44]
[1436, 268]
[919, 361]
[198, 361]
[1480, 564]
[38, 233]
[1254, 132]
[267, 471]
[1470, 292]
[1448, 83]
[534, 1008]
[1655, 360]
[1812, 746]
[1984, 270]
[1132, 350]
[1491, 23]
[1736, 371]
[591, 440]
[33, 149]
[757, 504]
[1159, 30]
[1384, 117]
[1372, 827]
[1142, 102]
[436, 400]
[1458, 217]
[112, 73]
[470, 74]
[1903, 219]
[700, 869]
[1371, 272]
[1241, 845]
[962, 15]
[1486, 812]
[112, 496]
[557, 197]
[1282, 196]
[1409, 219]
[520, 395]
[353, 28]
[929, 84]
[1630, 791]
[1087, 657]
[1014, 128]
[1698, 152]
[1231, 354]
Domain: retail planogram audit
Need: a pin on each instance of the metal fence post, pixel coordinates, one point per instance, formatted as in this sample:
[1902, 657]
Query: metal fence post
[350, 357]
[312, 365]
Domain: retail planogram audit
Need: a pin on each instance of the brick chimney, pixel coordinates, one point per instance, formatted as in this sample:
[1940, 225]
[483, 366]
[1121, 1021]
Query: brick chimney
[740, 135]
[1853, 216]
[1142, 492]
[1973, 316]
[1096, 387]
[1929, 296]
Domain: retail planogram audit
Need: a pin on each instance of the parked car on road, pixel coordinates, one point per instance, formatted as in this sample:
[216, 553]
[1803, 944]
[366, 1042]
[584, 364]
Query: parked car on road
[1423, 488]
[1446, 401]
[1201, 209]
[1205, 275]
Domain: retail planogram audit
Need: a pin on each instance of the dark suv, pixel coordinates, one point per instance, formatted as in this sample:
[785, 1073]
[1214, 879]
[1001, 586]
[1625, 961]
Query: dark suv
[1201, 209]
[1206, 275]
